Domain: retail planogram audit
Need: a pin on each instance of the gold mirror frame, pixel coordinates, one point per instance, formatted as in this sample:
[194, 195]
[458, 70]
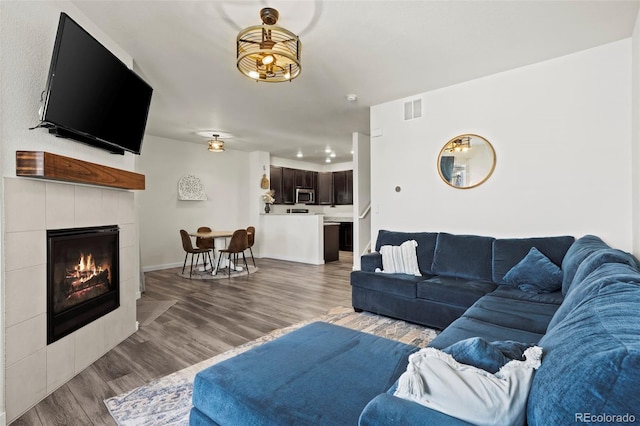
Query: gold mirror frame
[461, 149]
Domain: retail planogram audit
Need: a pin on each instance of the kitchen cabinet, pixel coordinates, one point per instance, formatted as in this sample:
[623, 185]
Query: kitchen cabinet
[288, 185]
[324, 191]
[303, 178]
[331, 241]
[276, 183]
[343, 187]
[346, 236]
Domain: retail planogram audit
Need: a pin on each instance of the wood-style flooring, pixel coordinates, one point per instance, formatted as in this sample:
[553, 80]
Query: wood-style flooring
[209, 318]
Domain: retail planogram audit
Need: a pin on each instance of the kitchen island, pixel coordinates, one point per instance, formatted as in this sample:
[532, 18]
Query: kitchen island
[293, 237]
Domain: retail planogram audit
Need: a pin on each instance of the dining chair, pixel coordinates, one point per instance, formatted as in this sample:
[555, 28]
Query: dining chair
[238, 244]
[251, 237]
[205, 243]
[188, 248]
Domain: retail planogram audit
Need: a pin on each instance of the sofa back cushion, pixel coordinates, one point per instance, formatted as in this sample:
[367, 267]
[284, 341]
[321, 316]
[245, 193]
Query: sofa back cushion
[605, 275]
[507, 252]
[578, 252]
[463, 256]
[591, 361]
[426, 245]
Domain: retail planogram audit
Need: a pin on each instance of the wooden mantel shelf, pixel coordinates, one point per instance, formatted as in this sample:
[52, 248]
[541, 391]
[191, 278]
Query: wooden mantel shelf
[44, 165]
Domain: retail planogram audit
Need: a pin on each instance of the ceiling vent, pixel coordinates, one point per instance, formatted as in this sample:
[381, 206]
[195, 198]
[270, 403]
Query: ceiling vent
[413, 109]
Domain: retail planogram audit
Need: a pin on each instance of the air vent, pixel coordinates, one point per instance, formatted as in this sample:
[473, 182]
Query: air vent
[413, 109]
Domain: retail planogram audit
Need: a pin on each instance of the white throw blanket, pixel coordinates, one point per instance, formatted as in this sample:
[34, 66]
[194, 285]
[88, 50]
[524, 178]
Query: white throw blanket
[436, 380]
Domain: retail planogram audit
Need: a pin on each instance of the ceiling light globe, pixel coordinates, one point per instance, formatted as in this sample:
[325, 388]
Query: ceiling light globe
[254, 74]
[268, 59]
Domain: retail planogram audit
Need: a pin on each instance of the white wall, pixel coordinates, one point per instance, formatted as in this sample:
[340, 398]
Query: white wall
[225, 177]
[361, 196]
[30, 368]
[562, 134]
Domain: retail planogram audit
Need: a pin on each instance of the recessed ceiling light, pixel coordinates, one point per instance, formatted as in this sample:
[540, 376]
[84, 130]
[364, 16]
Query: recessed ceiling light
[328, 160]
[351, 152]
[299, 154]
[332, 155]
[352, 97]
[327, 150]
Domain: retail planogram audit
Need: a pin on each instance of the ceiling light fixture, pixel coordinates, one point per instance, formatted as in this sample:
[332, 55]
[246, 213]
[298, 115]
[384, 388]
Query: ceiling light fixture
[267, 52]
[216, 145]
[328, 160]
[459, 145]
[299, 154]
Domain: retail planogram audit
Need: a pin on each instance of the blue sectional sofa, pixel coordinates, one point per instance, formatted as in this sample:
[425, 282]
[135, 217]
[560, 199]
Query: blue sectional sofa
[588, 329]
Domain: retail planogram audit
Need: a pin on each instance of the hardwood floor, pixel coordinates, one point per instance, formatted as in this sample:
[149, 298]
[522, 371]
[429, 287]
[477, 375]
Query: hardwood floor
[209, 318]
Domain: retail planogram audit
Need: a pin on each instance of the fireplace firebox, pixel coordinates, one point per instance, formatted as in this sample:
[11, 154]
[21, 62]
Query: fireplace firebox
[82, 277]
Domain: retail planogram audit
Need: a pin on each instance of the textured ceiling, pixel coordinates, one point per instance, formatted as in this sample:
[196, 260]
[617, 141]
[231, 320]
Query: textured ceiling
[379, 50]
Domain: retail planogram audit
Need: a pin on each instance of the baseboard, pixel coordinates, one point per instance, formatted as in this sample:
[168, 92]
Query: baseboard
[3, 419]
[160, 267]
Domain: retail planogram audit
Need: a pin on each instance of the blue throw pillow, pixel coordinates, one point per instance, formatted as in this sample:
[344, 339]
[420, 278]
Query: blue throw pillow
[535, 274]
[488, 356]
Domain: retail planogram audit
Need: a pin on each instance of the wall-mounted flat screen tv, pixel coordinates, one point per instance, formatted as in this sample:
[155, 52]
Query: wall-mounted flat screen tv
[91, 95]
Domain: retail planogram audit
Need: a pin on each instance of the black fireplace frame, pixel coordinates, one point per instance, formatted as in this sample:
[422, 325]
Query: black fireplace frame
[66, 322]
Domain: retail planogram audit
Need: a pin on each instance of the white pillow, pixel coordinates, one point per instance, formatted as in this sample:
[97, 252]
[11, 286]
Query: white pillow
[436, 380]
[400, 259]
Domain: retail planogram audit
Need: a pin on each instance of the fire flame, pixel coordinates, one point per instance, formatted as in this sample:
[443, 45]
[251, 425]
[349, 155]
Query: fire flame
[86, 268]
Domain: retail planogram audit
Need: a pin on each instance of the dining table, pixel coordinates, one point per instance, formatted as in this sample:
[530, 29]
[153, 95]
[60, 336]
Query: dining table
[213, 235]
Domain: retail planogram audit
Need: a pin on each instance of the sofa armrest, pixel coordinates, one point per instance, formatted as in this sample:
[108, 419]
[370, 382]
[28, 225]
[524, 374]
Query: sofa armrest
[370, 261]
[386, 409]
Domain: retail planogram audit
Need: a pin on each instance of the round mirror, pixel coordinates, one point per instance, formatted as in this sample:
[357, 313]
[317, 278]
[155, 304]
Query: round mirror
[466, 161]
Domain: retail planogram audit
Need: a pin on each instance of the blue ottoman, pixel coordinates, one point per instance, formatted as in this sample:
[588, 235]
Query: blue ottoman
[320, 374]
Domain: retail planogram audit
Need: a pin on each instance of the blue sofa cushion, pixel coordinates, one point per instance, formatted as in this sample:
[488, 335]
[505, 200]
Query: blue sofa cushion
[453, 291]
[514, 314]
[463, 256]
[465, 327]
[426, 245]
[488, 356]
[605, 275]
[535, 274]
[292, 380]
[397, 284]
[591, 361]
[509, 251]
[386, 409]
[508, 292]
[599, 258]
[578, 252]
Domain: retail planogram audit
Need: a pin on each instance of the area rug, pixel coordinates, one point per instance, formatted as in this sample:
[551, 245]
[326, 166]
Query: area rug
[222, 273]
[167, 401]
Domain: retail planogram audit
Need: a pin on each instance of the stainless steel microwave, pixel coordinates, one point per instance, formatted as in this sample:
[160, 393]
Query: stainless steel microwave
[305, 196]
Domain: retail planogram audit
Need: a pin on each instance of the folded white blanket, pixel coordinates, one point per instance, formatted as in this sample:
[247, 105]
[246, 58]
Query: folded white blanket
[436, 380]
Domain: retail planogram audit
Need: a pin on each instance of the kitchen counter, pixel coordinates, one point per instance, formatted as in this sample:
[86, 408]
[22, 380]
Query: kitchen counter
[338, 219]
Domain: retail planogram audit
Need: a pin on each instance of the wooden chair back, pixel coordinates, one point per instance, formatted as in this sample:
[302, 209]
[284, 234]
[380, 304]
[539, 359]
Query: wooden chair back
[251, 235]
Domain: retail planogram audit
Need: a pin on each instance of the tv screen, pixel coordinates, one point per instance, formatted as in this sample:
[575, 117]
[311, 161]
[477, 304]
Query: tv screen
[91, 95]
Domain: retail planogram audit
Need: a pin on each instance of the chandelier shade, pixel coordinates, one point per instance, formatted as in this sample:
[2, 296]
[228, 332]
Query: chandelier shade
[216, 145]
[461, 144]
[268, 53]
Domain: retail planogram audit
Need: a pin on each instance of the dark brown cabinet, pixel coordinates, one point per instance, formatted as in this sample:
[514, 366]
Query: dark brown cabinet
[324, 191]
[288, 186]
[331, 242]
[303, 179]
[276, 183]
[346, 236]
[331, 188]
[343, 187]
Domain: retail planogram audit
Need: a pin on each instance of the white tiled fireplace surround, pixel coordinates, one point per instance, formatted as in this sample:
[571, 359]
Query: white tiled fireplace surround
[33, 369]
